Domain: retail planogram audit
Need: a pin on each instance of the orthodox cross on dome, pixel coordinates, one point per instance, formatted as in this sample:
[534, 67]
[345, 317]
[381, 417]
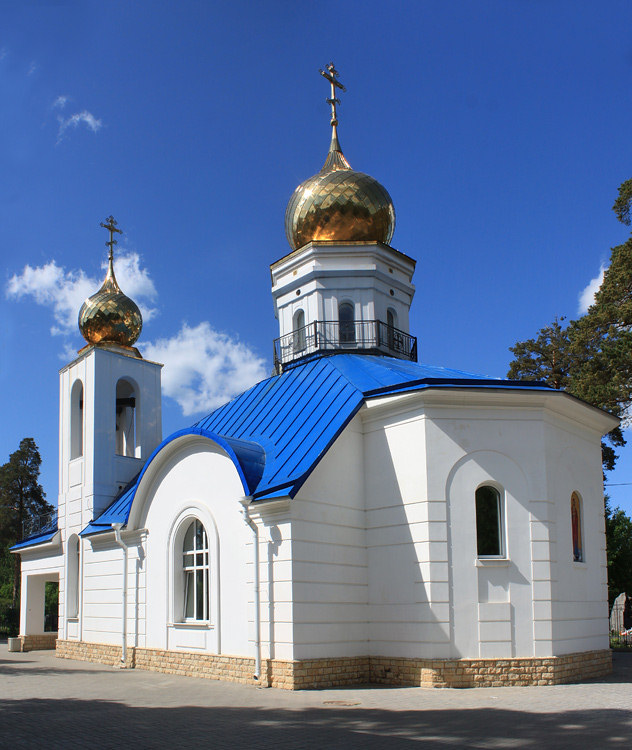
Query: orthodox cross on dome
[111, 226]
[331, 75]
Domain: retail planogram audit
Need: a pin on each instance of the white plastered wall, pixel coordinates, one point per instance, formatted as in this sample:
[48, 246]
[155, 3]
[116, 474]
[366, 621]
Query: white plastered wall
[408, 609]
[384, 531]
[329, 568]
[38, 567]
[194, 478]
[579, 589]
[434, 456]
[102, 589]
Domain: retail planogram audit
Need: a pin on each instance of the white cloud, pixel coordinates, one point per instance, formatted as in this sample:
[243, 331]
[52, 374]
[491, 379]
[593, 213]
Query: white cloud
[60, 102]
[204, 368]
[3, 53]
[86, 118]
[134, 281]
[32, 68]
[587, 296]
[54, 287]
[64, 291]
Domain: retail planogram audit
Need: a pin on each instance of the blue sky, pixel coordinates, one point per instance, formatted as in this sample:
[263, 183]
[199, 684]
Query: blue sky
[500, 129]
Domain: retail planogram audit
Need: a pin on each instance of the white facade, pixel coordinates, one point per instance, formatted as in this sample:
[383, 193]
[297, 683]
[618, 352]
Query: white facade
[376, 554]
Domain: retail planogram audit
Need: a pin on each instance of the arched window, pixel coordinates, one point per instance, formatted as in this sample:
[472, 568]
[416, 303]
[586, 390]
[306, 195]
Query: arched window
[126, 408]
[576, 526]
[298, 329]
[195, 570]
[489, 522]
[346, 321]
[391, 325]
[391, 318]
[72, 577]
[76, 420]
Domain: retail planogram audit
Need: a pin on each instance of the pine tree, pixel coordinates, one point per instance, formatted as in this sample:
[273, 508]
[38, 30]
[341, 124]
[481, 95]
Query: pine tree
[21, 498]
[545, 358]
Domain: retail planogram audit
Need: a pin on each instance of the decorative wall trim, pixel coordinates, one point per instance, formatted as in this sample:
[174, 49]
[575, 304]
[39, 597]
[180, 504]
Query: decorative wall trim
[325, 673]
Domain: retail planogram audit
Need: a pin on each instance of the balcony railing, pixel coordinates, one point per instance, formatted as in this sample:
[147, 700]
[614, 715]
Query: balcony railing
[39, 524]
[365, 336]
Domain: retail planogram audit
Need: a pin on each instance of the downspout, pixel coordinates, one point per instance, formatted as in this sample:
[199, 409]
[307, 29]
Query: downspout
[257, 595]
[117, 534]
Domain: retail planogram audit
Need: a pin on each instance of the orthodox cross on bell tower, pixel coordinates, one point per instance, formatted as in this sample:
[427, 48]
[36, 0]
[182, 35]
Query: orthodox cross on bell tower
[111, 226]
[331, 75]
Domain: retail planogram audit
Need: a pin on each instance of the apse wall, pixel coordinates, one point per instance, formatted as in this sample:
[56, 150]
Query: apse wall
[579, 588]
[329, 568]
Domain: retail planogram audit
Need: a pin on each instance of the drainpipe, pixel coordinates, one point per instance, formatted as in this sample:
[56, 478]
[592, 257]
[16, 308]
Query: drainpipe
[117, 534]
[257, 595]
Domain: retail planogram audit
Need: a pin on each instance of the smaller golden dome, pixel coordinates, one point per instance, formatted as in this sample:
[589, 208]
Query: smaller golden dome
[339, 204]
[109, 316]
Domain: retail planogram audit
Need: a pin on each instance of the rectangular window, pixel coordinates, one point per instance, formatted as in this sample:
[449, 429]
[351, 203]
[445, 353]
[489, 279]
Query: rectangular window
[489, 524]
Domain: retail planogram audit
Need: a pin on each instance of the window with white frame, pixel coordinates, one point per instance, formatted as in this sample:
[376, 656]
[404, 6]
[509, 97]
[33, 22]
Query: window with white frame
[195, 570]
[489, 522]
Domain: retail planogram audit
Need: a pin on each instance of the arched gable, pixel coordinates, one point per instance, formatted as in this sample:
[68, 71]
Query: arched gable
[247, 457]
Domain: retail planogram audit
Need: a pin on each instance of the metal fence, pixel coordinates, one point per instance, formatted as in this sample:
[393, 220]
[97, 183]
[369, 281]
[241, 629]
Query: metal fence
[329, 335]
[39, 524]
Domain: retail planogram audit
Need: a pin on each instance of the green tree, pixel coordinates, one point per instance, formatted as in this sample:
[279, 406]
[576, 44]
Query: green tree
[573, 358]
[619, 537]
[591, 358]
[21, 498]
[623, 202]
[547, 357]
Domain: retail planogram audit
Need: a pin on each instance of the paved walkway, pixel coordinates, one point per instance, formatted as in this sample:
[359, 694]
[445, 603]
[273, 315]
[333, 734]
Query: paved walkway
[55, 703]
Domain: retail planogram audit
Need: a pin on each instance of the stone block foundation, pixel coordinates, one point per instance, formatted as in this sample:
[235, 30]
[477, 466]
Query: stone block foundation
[41, 642]
[325, 673]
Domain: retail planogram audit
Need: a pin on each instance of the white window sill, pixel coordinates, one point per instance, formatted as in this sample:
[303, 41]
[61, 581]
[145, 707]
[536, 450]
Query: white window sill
[192, 624]
[492, 562]
[579, 565]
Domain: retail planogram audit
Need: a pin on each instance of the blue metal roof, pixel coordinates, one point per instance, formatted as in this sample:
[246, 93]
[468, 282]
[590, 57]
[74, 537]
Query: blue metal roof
[278, 430]
[32, 541]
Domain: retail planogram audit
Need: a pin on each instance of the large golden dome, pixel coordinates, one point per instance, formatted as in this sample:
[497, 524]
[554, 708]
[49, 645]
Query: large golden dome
[339, 204]
[109, 316]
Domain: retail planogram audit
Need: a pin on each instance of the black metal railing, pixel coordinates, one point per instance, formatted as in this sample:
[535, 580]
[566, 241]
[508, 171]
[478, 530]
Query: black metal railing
[39, 524]
[367, 336]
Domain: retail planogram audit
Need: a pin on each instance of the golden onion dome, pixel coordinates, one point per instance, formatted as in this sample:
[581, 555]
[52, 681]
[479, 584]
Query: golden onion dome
[339, 204]
[109, 316]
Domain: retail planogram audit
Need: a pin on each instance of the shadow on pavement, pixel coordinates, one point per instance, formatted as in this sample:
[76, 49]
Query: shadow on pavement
[106, 724]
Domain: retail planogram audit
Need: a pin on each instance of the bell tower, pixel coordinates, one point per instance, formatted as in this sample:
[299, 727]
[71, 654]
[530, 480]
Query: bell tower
[110, 404]
[342, 287]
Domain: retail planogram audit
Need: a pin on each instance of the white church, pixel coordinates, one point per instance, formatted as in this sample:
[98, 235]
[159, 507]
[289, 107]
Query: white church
[357, 517]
